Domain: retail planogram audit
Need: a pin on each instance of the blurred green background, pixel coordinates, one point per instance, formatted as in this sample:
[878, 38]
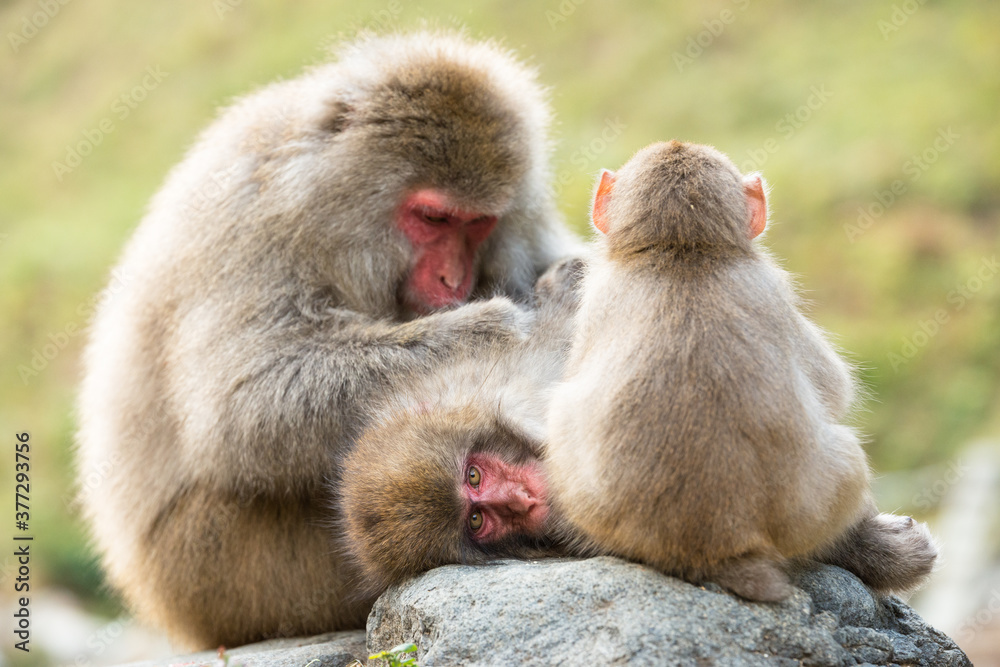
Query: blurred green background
[875, 123]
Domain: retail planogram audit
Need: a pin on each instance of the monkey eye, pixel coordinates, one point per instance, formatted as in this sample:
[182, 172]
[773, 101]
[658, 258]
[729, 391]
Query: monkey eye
[435, 219]
[475, 521]
[475, 477]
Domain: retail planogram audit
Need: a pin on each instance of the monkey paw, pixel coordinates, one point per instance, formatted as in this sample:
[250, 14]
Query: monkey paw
[559, 284]
[913, 539]
[499, 319]
[904, 550]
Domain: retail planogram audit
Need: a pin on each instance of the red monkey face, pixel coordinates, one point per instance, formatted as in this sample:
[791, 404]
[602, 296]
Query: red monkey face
[427, 488]
[444, 239]
[503, 498]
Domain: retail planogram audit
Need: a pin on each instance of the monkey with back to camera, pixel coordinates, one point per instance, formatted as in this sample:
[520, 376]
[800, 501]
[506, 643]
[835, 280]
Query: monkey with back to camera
[325, 242]
[699, 428]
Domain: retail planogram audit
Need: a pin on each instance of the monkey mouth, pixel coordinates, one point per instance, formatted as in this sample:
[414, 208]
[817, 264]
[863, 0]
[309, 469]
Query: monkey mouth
[441, 302]
[535, 520]
[450, 299]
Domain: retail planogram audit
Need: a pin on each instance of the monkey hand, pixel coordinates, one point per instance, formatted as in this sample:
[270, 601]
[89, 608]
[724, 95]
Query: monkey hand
[497, 320]
[889, 553]
[905, 550]
[557, 291]
[560, 282]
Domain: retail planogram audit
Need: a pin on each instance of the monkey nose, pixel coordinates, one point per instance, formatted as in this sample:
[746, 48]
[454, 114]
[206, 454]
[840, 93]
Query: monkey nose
[521, 502]
[453, 281]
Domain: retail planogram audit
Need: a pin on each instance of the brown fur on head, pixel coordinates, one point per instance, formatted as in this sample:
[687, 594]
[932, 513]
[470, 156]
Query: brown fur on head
[401, 509]
[435, 110]
[678, 196]
[437, 121]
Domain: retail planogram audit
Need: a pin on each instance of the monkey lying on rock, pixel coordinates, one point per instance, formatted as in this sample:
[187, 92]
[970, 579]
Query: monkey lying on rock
[699, 426]
[449, 470]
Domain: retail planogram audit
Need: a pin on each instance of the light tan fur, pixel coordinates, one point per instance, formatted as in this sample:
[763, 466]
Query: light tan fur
[700, 426]
[261, 318]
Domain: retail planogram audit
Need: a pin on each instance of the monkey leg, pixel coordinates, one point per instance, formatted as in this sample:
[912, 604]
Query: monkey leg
[218, 570]
[887, 552]
[755, 578]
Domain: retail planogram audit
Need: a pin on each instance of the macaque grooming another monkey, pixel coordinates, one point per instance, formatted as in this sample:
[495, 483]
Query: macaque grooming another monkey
[450, 471]
[699, 429]
[326, 242]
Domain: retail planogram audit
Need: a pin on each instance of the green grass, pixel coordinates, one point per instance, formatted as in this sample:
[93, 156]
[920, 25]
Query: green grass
[605, 62]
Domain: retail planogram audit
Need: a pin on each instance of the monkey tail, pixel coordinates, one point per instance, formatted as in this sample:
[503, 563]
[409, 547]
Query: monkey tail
[755, 577]
[885, 551]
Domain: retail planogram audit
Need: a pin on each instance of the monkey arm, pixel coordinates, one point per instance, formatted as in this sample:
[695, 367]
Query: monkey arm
[827, 371]
[285, 396]
[557, 299]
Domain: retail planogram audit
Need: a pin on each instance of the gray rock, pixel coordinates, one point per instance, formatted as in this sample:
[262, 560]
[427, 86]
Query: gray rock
[604, 611]
[334, 649]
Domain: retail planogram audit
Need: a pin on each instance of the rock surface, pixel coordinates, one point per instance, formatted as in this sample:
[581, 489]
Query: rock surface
[334, 649]
[604, 611]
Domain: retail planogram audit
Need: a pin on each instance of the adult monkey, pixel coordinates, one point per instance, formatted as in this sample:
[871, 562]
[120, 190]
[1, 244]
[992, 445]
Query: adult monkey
[287, 275]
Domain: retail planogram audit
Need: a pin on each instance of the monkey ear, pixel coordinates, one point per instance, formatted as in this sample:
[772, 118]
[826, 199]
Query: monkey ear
[600, 212]
[753, 188]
